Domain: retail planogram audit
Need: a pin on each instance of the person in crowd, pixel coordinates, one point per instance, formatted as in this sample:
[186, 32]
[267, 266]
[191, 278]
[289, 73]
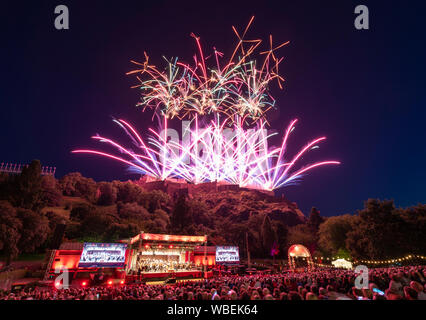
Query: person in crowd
[421, 295]
[396, 286]
[410, 293]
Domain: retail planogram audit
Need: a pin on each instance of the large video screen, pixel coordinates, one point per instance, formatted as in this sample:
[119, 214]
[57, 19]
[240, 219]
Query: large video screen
[103, 255]
[227, 255]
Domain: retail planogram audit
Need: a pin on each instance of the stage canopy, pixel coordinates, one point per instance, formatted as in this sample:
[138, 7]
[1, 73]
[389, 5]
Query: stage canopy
[166, 238]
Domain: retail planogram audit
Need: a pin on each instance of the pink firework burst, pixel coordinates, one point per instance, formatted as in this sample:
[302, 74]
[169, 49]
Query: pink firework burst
[214, 153]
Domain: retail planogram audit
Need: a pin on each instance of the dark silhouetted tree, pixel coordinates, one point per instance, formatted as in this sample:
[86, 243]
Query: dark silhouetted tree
[377, 231]
[181, 215]
[27, 191]
[10, 231]
[75, 185]
[414, 232]
[282, 235]
[315, 219]
[132, 211]
[80, 211]
[268, 235]
[333, 233]
[34, 232]
[52, 194]
[301, 234]
[129, 192]
[108, 194]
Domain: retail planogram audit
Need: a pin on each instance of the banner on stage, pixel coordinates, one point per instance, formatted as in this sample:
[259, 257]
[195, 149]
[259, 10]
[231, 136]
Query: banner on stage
[227, 254]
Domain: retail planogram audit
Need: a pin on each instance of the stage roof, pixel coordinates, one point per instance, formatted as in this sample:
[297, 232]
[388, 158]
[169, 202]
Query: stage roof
[166, 237]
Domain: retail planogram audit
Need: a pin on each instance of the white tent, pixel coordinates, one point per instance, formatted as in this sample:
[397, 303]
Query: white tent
[342, 263]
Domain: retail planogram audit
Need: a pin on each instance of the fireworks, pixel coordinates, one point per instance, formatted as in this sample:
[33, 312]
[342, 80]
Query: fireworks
[214, 153]
[234, 94]
[236, 87]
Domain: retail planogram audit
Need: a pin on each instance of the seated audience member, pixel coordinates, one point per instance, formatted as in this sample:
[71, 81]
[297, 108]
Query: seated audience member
[283, 296]
[293, 295]
[395, 286]
[311, 296]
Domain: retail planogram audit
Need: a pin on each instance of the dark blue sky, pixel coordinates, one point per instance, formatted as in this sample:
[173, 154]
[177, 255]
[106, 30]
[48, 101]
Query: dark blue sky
[364, 90]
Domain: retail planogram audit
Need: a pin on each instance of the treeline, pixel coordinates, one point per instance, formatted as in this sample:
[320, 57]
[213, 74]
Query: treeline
[31, 206]
[379, 231]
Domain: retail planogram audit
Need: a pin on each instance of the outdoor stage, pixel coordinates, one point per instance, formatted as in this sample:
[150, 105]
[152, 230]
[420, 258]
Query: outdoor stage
[159, 257]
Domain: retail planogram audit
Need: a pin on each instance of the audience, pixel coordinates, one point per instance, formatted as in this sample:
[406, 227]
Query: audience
[403, 283]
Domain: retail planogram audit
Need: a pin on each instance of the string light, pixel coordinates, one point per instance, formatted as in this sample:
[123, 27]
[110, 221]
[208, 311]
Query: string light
[408, 257]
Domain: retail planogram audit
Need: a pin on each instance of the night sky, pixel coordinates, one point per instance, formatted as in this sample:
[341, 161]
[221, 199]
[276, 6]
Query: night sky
[364, 90]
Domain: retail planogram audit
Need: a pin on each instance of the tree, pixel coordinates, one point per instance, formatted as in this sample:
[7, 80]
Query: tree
[377, 232]
[181, 215]
[108, 194]
[132, 211]
[52, 194]
[154, 200]
[68, 182]
[128, 192]
[282, 235]
[10, 231]
[333, 233]
[268, 235]
[34, 232]
[315, 219]
[96, 223]
[27, 192]
[162, 216]
[5, 186]
[254, 224]
[80, 211]
[199, 211]
[415, 229]
[301, 234]
[75, 185]
[343, 253]
[117, 231]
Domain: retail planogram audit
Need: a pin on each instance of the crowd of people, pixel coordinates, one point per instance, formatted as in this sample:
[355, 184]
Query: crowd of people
[161, 265]
[403, 283]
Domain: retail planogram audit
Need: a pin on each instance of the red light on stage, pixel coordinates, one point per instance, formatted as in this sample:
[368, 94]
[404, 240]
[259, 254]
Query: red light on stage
[57, 284]
[84, 283]
[110, 282]
[160, 246]
[122, 282]
[170, 246]
[146, 246]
